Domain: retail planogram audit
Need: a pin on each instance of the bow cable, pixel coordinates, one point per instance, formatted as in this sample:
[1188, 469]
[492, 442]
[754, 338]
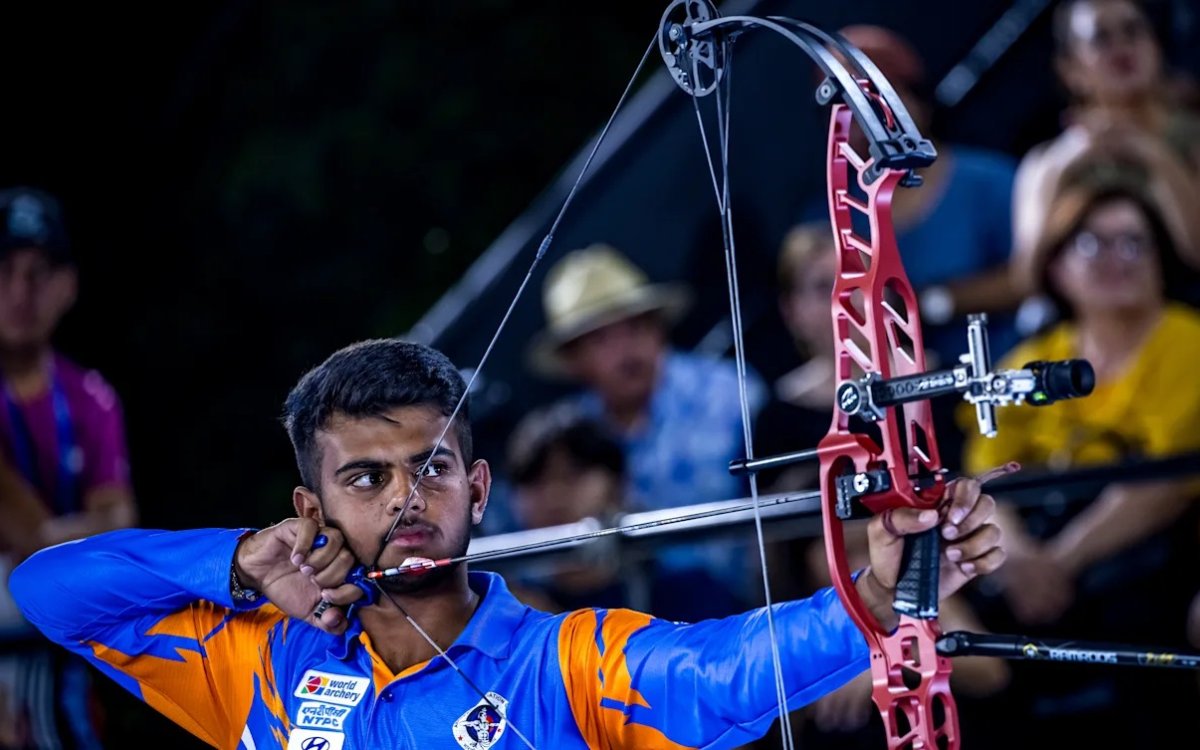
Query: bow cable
[722, 97]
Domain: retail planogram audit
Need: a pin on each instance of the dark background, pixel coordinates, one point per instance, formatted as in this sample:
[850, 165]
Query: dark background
[252, 185]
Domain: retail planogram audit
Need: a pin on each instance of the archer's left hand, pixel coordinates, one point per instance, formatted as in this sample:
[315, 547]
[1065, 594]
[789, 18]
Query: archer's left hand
[971, 542]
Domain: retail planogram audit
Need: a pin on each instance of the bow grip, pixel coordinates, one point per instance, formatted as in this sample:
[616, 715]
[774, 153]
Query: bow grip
[917, 586]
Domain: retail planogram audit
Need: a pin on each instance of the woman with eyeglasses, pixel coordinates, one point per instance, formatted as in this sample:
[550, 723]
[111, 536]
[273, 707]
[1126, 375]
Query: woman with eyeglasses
[1120, 565]
[1123, 115]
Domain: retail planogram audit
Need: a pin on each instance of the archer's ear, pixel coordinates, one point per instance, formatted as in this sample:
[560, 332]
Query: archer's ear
[308, 505]
[479, 480]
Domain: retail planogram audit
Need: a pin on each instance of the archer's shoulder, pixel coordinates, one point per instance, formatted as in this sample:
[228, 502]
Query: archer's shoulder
[600, 628]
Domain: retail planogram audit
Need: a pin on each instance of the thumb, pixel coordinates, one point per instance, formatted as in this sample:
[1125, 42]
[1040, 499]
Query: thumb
[899, 522]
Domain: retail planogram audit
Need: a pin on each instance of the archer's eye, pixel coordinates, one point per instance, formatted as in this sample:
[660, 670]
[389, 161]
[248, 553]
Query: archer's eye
[433, 470]
[368, 480]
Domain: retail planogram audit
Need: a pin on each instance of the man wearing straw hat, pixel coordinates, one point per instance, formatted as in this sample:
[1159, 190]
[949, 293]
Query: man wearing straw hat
[678, 414]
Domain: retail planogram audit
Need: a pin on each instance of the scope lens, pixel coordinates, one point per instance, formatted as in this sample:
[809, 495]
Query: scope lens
[1068, 378]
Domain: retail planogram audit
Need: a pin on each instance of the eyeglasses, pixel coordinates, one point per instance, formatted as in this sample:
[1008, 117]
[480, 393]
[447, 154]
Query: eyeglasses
[1128, 246]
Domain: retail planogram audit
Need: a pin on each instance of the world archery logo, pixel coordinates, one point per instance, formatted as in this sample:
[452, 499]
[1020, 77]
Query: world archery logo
[481, 727]
[343, 690]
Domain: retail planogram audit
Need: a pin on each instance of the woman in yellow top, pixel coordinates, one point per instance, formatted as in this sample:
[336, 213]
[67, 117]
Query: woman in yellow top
[1122, 567]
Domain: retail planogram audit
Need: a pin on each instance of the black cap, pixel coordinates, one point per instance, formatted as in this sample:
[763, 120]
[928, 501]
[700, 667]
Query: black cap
[33, 218]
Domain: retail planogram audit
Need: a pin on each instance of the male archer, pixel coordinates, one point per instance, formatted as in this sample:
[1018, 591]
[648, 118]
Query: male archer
[243, 637]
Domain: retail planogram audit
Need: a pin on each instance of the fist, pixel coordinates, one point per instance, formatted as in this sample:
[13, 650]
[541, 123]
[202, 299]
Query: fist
[301, 568]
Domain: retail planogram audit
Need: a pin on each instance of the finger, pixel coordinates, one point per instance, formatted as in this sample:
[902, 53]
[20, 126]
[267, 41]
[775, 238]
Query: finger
[984, 564]
[965, 491]
[981, 512]
[335, 572]
[343, 595]
[306, 531]
[978, 544]
[323, 552]
[898, 522]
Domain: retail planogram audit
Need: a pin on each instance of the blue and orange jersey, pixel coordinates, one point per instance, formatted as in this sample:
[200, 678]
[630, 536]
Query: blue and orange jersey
[153, 610]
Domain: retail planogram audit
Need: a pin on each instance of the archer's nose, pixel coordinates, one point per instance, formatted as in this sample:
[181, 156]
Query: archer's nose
[408, 494]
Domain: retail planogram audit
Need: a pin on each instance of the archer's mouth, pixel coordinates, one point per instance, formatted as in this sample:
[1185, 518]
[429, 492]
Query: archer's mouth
[412, 537]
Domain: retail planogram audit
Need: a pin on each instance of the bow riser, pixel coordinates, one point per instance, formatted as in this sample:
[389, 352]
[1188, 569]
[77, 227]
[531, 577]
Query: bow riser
[877, 331]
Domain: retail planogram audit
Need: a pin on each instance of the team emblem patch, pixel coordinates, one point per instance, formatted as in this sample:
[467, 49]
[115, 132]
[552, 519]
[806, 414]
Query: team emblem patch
[482, 726]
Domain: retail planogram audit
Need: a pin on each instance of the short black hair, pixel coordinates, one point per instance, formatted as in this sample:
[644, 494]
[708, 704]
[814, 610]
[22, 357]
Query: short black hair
[587, 441]
[366, 379]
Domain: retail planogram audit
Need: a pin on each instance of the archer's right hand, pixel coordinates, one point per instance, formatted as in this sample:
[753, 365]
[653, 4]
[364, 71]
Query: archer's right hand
[282, 564]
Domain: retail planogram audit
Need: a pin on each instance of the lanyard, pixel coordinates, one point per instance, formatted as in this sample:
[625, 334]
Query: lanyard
[62, 496]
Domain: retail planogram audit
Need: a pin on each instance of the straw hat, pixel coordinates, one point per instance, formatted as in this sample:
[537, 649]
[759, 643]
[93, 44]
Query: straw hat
[591, 288]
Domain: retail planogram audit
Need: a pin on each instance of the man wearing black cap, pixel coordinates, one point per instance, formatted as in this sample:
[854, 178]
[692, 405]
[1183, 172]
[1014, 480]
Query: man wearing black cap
[62, 442]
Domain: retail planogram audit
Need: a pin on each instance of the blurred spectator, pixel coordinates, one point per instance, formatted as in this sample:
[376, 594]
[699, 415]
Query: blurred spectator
[1120, 568]
[799, 410]
[954, 232]
[65, 473]
[1123, 117]
[798, 415]
[678, 416]
[567, 467]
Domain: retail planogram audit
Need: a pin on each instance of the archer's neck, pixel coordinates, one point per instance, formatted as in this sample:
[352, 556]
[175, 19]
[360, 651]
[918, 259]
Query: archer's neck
[443, 614]
[27, 371]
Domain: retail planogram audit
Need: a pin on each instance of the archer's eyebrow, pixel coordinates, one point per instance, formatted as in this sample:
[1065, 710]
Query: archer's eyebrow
[369, 464]
[442, 451]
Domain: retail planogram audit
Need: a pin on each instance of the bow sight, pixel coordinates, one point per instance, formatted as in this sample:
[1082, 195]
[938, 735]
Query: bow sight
[1037, 383]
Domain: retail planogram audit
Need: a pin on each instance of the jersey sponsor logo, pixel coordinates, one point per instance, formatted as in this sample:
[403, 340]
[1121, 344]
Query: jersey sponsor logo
[341, 689]
[321, 715]
[482, 726]
[307, 739]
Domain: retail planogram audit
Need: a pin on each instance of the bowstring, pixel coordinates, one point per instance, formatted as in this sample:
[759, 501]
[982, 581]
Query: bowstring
[442, 653]
[420, 474]
[541, 252]
[726, 213]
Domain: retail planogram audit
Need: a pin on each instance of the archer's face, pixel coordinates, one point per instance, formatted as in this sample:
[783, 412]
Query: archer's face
[368, 468]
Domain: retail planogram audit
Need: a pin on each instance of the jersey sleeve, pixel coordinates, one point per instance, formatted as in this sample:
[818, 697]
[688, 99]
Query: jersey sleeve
[634, 681]
[153, 611]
